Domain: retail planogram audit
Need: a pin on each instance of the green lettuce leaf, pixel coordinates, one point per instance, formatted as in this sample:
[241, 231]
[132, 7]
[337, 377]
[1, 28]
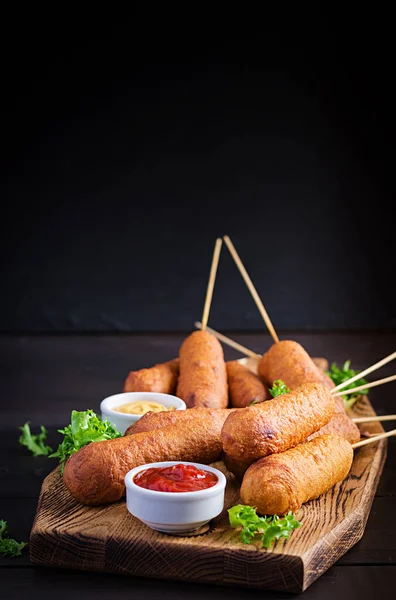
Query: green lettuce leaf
[8, 546]
[85, 427]
[269, 528]
[35, 443]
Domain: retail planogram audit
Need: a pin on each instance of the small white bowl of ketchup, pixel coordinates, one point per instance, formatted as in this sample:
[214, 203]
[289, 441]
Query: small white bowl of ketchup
[124, 409]
[175, 496]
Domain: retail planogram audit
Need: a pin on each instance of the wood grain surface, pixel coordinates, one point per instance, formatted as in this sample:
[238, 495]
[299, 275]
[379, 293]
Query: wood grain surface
[42, 378]
[70, 535]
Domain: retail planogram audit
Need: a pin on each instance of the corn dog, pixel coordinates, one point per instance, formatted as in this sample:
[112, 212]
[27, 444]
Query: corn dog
[160, 378]
[203, 378]
[278, 424]
[95, 474]
[283, 482]
[244, 386]
[152, 420]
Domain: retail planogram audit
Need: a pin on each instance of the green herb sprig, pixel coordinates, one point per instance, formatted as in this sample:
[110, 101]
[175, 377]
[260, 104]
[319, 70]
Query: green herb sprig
[35, 442]
[269, 528]
[279, 388]
[8, 546]
[341, 374]
[85, 427]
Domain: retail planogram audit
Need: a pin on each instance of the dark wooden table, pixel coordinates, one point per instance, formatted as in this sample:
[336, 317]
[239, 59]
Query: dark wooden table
[44, 377]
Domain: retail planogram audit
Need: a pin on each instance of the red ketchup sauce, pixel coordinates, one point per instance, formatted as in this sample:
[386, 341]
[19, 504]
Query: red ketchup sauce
[177, 478]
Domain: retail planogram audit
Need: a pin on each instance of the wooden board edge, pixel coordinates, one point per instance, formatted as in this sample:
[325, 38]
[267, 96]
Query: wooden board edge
[355, 522]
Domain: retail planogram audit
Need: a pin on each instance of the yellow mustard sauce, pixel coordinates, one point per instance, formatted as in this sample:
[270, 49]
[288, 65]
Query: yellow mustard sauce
[141, 407]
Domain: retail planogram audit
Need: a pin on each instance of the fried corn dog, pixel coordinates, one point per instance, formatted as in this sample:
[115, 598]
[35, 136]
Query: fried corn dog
[152, 420]
[287, 360]
[244, 386]
[278, 424]
[161, 378]
[283, 482]
[342, 425]
[95, 474]
[203, 377]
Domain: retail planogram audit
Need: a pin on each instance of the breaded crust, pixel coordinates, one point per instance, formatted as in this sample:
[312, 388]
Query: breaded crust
[278, 424]
[283, 482]
[237, 467]
[342, 425]
[203, 377]
[287, 360]
[321, 363]
[153, 420]
[95, 474]
[161, 378]
[245, 387]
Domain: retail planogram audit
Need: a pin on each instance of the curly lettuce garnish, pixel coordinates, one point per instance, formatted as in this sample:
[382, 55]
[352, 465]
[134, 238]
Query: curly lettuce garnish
[269, 528]
[85, 427]
[35, 442]
[9, 546]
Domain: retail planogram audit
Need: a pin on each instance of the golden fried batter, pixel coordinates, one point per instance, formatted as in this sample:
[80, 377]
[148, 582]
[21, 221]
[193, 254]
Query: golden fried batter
[152, 420]
[321, 363]
[237, 467]
[95, 474]
[203, 376]
[282, 482]
[161, 378]
[244, 386]
[287, 360]
[278, 424]
[342, 425]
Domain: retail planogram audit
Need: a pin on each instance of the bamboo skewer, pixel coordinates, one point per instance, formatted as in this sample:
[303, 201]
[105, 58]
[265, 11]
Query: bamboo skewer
[366, 386]
[251, 288]
[229, 342]
[376, 438]
[211, 283]
[377, 365]
[374, 419]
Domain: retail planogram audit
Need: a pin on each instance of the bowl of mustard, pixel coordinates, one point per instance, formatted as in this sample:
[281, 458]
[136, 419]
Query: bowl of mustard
[126, 408]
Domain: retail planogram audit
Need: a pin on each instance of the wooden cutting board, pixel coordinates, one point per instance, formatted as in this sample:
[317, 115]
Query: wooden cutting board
[68, 534]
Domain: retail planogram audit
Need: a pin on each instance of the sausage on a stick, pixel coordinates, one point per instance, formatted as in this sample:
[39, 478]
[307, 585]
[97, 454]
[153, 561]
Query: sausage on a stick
[203, 377]
[278, 424]
[95, 474]
[283, 482]
[159, 420]
[161, 378]
[245, 386]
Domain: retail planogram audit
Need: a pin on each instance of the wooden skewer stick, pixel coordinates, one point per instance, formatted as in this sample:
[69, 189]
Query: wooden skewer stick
[376, 438]
[211, 283]
[374, 419]
[377, 365]
[366, 386]
[229, 342]
[251, 288]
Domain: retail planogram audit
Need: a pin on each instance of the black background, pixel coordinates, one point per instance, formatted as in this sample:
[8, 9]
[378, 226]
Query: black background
[124, 158]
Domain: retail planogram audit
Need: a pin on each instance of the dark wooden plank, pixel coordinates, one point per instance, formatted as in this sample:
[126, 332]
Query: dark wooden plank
[377, 546]
[339, 582]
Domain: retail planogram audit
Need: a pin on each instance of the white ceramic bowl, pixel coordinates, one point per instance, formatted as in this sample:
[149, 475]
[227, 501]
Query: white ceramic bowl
[174, 512]
[123, 420]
